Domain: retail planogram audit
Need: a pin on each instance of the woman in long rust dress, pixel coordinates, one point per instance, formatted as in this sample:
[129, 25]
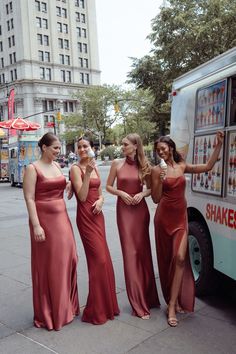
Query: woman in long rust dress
[133, 225]
[171, 225]
[53, 249]
[101, 302]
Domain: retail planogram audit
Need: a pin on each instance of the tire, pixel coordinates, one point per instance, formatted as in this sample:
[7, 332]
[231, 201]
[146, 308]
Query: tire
[201, 258]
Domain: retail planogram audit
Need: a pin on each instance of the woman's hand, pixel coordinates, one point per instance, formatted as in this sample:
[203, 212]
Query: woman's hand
[90, 166]
[220, 137]
[69, 190]
[137, 198]
[127, 199]
[39, 234]
[97, 206]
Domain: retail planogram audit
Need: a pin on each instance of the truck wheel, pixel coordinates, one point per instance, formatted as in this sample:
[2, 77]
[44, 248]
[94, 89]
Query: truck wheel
[201, 257]
[12, 181]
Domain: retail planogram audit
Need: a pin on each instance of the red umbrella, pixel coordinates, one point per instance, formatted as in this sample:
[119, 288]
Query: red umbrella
[19, 124]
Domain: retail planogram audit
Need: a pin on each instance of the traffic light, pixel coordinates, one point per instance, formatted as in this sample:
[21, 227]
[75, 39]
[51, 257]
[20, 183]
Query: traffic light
[116, 107]
[59, 115]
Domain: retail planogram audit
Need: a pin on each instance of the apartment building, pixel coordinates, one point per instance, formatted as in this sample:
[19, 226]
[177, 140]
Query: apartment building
[48, 50]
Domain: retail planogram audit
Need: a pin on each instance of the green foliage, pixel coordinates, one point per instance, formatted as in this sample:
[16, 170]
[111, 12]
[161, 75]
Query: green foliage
[184, 35]
[113, 152]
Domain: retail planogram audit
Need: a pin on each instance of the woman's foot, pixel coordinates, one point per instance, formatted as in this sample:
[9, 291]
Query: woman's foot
[145, 317]
[179, 309]
[171, 316]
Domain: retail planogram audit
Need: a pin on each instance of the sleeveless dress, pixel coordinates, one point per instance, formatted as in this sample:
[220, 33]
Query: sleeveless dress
[133, 226]
[170, 226]
[54, 261]
[101, 302]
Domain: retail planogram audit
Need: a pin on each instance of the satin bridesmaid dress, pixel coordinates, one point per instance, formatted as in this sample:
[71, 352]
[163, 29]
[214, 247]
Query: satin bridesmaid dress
[133, 226]
[170, 226]
[54, 261]
[102, 301]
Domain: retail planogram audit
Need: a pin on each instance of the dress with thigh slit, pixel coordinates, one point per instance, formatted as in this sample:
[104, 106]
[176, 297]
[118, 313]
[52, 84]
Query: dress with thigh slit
[53, 261]
[171, 225]
[133, 226]
[102, 301]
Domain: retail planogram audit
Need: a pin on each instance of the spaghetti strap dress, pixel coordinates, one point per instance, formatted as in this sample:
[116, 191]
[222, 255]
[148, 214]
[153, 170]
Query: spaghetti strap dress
[54, 261]
[102, 301]
[133, 225]
[171, 225]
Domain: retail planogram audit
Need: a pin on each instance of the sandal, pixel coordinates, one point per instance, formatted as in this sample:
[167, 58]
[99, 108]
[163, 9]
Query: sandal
[179, 309]
[172, 321]
[145, 317]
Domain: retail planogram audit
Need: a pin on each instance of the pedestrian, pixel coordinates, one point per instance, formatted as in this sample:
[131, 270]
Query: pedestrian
[171, 225]
[53, 248]
[131, 174]
[101, 302]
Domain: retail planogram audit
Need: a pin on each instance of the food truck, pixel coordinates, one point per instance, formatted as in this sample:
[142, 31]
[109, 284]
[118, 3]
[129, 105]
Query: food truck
[203, 102]
[23, 149]
[4, 160]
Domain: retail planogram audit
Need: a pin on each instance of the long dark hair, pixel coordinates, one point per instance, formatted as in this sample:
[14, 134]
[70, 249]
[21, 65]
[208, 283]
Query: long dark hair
[167, 140]
[47, 139]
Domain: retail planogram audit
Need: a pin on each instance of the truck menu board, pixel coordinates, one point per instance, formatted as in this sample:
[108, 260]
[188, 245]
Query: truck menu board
[211, 107]
[231, 182]
[208, 182]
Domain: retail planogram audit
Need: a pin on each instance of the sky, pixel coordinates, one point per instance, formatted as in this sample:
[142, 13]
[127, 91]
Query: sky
[122, 30]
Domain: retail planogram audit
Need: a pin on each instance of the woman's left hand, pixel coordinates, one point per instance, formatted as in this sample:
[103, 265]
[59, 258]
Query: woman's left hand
[69, 190]
[97, 207]
[220, 137]
[137, 198]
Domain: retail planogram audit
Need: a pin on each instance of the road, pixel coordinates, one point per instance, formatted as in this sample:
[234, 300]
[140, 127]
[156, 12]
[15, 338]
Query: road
[210, 329]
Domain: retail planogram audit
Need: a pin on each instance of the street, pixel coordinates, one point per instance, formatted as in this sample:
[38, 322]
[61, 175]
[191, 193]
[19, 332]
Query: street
[210, 329]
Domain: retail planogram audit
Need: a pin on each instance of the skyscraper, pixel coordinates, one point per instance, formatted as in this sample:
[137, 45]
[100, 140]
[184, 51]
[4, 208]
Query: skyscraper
[48, 50]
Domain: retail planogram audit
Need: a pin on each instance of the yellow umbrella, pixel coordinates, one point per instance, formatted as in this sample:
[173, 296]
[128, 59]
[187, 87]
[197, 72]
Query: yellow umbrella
[2, 133]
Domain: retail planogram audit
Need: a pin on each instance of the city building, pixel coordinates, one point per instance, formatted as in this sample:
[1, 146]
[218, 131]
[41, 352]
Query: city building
[48, 50]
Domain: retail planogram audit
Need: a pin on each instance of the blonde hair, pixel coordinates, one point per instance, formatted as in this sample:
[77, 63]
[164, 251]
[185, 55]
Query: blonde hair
[143, 163]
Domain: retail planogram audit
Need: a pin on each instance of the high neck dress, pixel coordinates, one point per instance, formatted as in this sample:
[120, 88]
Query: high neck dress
[133, 226]
[54, 261]
[101, 302]
[171, 226]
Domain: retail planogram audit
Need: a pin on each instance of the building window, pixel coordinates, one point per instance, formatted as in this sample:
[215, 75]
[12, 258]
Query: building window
[7, 9]
[82, 4]
[1, 47]
[12, 77]
[65, 28]
[83, 18]
[40, 55]
[15, 74]
[45, 40]
[45, 73]
[48, 74]
[67, 60]
[0, 30]
[80, 62]
[66, 43]
[9, 42]
[47, 56]
[10, 58]
[68, 76]
[78, 30]
[59, 26]
[84, 34]
[2, 63]
[40, 39]
[85, 48]
[77, 16]
[80, 47]
[8, 25]
[81, 78]
[77, 3]
[14, 57]
[37, 5]
[10, 6]
[12, 23]
[85, 62]
[60, 43]
[44, 23]
[43, 6]
[87, 79]
[58, 11]
[64, 13]
[13, 40]
[61, 58]
[63, 75]
[38, 22]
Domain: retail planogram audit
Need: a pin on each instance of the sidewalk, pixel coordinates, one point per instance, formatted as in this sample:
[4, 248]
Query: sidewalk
[211, 329]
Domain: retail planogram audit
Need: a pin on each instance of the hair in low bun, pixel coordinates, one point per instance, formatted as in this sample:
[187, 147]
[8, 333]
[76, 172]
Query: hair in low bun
[47, 139]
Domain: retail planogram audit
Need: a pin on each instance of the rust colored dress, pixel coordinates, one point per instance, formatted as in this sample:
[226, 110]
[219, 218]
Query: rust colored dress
[170, 226]
[54, 261]
[133, 226]
[101, 302]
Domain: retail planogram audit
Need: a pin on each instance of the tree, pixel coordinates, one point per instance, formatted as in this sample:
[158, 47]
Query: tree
[185, 34]
[96, 112]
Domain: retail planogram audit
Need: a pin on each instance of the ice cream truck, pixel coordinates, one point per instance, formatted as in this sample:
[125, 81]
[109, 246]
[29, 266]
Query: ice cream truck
[23, 149]
[203, 102]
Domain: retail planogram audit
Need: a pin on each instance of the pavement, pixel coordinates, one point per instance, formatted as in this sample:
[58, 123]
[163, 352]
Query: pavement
[209, 330]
